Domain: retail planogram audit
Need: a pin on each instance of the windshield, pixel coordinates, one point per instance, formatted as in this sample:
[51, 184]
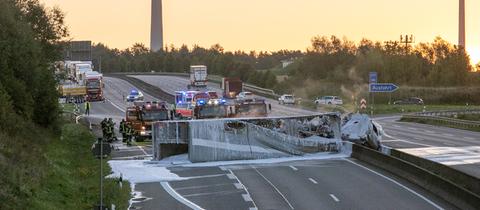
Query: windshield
[213, 111]
[155, 115]
[93, 84]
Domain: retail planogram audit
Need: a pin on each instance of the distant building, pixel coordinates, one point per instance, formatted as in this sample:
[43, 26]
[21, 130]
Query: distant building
[287, 62]
[78, 51]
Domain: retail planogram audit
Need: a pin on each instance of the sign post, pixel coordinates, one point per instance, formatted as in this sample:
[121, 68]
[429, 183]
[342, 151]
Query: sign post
[372, 79]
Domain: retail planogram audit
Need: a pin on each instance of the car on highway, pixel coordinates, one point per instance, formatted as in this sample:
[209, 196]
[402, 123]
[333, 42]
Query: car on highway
[245, 96]
[286, 99]
[135, 95]
[329, 100]
[411, 100]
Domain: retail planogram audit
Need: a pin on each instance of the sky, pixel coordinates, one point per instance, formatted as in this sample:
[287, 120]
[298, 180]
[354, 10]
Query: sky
[268, 25]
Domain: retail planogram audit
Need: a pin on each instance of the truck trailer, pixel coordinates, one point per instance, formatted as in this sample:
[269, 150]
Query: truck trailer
[198, 76]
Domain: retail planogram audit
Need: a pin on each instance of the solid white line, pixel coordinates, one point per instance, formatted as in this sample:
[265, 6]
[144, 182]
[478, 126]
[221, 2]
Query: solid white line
[247, 198]
[244, 187]
[313, 180]
[178, 197]
[397, 183]
[231, 176]
[116, 106]
[276, 189]
[334, 198]
[144, 152]
[293, 168]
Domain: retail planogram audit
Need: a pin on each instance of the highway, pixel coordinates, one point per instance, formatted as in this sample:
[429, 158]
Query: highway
[171, 84]
[309, 184]
[457, 148]
[320, 184]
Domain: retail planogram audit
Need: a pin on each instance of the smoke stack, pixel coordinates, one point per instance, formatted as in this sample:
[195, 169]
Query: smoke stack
[156, 28]
[461, 24]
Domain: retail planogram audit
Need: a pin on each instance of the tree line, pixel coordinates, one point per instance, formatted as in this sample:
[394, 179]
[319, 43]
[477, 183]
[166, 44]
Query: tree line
[338, 62]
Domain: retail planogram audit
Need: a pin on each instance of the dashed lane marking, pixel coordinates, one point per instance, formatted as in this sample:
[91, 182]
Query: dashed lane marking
[334, 198]
[293, 168]
[247, 197]
[313, 181]
[397, 183]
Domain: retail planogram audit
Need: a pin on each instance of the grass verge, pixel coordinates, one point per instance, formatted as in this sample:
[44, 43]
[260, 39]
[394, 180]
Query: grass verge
[73, 175]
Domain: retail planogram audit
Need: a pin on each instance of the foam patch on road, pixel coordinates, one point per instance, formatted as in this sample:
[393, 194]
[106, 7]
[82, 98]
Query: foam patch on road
[140, 171]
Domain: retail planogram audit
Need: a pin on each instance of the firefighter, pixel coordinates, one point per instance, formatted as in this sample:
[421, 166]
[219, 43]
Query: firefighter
[129, 134]
[87, 108]
[104, 127]
[122, 129]
[110, 129]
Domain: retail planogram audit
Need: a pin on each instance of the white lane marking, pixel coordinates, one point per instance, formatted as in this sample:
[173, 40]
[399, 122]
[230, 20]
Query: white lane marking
[247, 198]
[313, 180]
[293, 168]
[116, 106]
[238, 186]
[334, 198]
[244, 187]
[178, 197]
[200, 186]
[223, 168]
[397, 183]
[144, 152]
[231, 176]
[252, 208]
[276, 189]
[410, 142]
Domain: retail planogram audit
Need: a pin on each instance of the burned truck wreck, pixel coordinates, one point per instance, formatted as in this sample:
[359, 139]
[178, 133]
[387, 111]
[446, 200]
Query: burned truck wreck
[361, 129]
[249, 138]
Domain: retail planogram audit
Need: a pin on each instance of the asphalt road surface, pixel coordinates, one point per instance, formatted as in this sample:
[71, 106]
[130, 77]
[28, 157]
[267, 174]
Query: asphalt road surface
[171, 84]
[457, 148]
[320, 184]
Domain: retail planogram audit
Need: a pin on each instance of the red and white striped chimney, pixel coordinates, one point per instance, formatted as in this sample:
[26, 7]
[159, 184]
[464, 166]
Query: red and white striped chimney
[461, 24]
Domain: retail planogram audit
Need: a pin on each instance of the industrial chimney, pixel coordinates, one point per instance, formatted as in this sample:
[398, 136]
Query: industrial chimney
[461, 24]
[156, 28]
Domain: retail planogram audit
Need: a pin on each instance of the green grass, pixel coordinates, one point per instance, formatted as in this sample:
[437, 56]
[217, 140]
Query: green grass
[471, 117]
[67, 107]
[381, 109]
[72, 175]
[439, 123]
[399, 109]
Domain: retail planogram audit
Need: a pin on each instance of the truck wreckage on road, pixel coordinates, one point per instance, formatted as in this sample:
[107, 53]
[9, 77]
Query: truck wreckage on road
[361, 129]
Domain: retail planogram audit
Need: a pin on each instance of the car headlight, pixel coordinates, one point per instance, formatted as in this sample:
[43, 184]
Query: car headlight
[143, 127]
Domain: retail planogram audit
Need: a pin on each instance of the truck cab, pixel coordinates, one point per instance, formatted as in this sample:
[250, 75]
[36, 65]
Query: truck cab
[143, 114]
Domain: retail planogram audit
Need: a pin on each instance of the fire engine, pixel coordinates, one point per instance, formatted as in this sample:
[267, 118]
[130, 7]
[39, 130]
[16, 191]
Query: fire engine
[211, 108]
[142, 115]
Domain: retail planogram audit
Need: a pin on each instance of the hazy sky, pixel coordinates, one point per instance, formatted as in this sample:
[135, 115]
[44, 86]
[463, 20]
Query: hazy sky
[268, 24]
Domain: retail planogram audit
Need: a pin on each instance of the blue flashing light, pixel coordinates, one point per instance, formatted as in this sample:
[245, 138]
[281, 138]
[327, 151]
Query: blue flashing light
[201, 102]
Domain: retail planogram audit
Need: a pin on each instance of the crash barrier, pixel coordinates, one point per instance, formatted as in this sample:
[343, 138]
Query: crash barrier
[449, 190]
[448, 112]
[269, 93]
[444, 120]
[460, 178]
[249, 138]
[147, 88]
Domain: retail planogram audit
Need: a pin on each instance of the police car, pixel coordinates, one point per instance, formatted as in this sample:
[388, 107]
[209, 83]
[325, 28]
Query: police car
[135, 95]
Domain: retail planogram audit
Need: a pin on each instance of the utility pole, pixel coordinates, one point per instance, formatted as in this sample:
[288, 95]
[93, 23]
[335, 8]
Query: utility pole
[407, 40]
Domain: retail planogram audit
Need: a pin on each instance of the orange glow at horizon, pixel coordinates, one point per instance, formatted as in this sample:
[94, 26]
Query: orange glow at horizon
[268, 25]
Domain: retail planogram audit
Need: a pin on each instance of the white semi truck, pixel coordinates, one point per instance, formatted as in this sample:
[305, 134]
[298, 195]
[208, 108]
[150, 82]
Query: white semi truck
[198, 76]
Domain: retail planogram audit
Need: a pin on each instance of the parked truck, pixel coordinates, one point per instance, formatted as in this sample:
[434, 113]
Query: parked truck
[198, 76]
[72, 93]
[231, 87]
[94, 86]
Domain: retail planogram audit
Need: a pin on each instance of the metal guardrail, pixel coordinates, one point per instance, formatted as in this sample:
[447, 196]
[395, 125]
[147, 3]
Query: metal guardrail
[445, 120]
[448, 112]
